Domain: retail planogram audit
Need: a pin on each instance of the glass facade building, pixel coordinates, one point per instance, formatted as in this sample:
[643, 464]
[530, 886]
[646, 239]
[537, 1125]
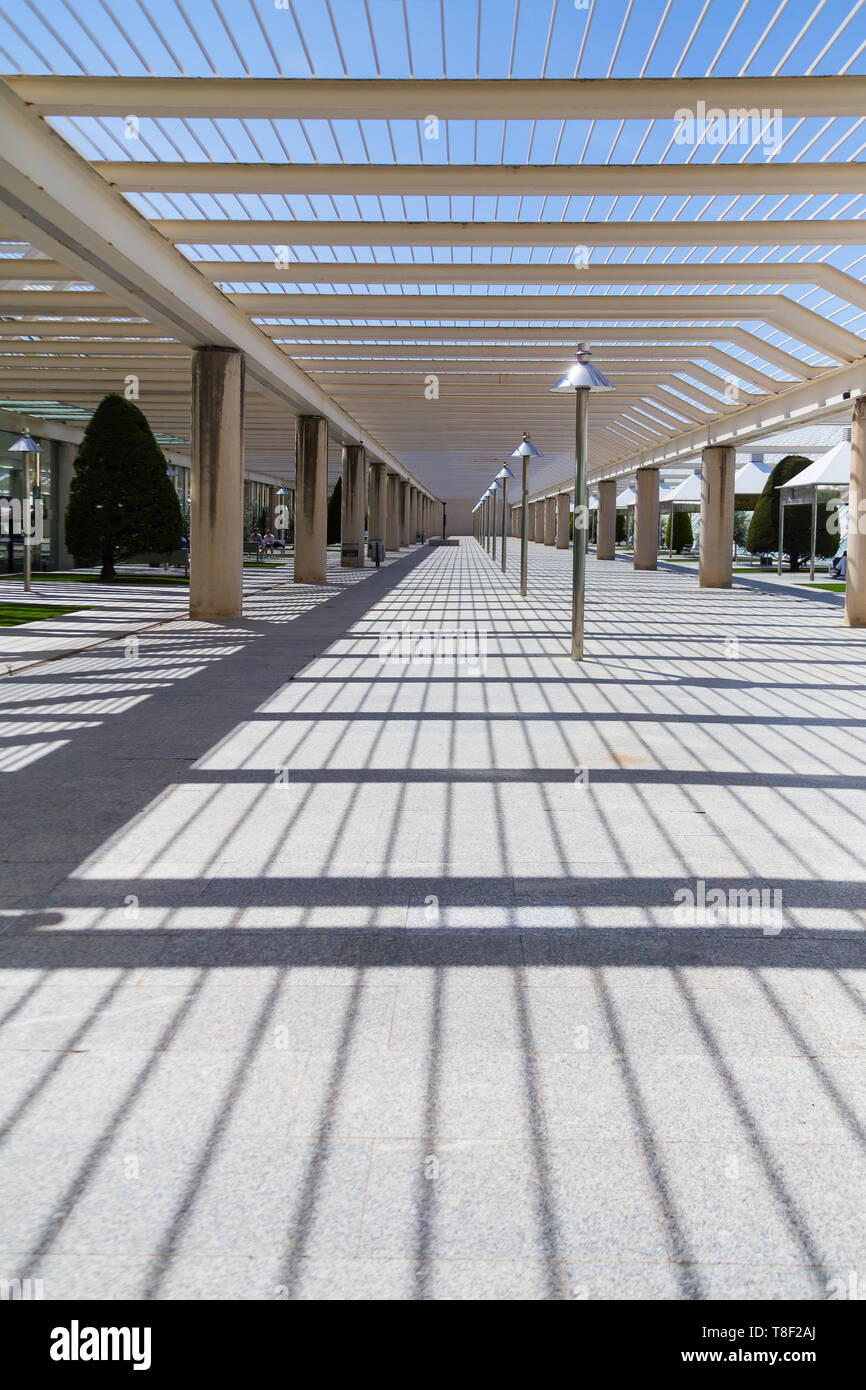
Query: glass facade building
[43, 484]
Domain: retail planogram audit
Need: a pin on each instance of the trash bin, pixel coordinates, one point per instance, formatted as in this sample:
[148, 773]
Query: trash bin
[377, 551]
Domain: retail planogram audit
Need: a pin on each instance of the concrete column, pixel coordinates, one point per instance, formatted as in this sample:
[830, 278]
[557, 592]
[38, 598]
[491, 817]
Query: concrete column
[378, 505]
[562, 515]
[606, 544]
[311, 499]
[855, 572]
[217, 484]
[414, 528]
[550, 521]
[354, 492]
[646, 519]
[403, 496]
[65, 474]
[715, 566]
[392, 523]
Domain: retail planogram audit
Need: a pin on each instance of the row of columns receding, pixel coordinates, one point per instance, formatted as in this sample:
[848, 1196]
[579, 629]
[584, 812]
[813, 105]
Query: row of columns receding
[548, 519]
[397, 510]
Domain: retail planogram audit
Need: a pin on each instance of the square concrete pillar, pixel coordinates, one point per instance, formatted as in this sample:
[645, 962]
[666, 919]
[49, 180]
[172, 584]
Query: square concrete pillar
[65, 473]
[392, 530]
[378, 502]
[550, 521]
[217, 484]
[715, 565]
[311, 499]
[413, 515]
[646, 519]
[562, 516]
[605, 547]
[354, 492]
[403, 513]
[855, 571]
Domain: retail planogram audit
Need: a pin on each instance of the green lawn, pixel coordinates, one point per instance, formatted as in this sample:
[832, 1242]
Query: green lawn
[77, 577]
[11, 614]
[833, 588]
[754, 569]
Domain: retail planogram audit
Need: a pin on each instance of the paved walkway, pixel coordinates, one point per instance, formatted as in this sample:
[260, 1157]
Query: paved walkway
[798, 582]
[329, 974]
[108, 611]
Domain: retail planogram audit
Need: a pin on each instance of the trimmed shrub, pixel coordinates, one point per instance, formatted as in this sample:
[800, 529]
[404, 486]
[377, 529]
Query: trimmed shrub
[797, 541]
[121, 500]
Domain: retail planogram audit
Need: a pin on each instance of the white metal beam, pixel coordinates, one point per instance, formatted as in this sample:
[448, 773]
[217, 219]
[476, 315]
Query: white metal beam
[515, 180]
[555, 99]
[826, 277]
[799, 405]
[774, 309]
[53, 199]
[228, 232]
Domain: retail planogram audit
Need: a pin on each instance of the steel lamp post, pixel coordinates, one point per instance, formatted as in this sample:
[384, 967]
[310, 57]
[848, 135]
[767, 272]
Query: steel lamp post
[28, 448]
[582, 378]
[502, 478]
[493, 489]
[525, 450]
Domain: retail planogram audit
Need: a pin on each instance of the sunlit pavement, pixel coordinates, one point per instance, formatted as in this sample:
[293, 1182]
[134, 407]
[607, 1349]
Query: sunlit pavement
[107, 611]
[333, 971]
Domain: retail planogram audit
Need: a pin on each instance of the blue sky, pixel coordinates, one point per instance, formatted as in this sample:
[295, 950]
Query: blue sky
[295, 37]
[391, 38]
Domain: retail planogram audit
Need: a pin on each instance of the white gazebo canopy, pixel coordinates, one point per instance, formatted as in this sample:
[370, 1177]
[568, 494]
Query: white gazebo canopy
[752, 477]
[833, 470]
[689, 490]
[749, 478]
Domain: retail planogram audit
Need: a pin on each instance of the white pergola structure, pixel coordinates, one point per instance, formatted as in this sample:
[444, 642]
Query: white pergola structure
[404, 265]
